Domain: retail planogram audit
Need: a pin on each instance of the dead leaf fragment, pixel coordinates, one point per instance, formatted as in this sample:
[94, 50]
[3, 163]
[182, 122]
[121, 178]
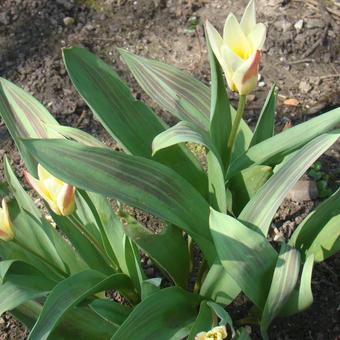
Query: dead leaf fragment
[291, 102]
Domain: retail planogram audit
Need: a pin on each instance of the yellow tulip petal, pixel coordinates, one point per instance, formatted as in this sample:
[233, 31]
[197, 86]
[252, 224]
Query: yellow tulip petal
[232, 59]
[258, 36]
[248, 20]
[53, 187]
[245, 77]
[40, 188]
[43, 175]
[6, 227]
[215, 41]
[201, 336]
[65, 200]
[234, 37]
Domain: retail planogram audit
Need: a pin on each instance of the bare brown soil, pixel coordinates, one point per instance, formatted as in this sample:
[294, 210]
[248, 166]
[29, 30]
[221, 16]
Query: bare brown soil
[301, 55]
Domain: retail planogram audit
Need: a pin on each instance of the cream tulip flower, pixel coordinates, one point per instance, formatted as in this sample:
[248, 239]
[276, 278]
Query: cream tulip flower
[58, 194]
[6, 226]
[217, 333]
[238, 52]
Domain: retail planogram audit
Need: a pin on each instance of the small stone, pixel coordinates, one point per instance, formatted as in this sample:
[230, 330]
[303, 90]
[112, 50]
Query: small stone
[303, 190]
[262, 84]
[67, 4]
[90, 27]
[291, 102]
[305, 86]
[69, 21]
[251, 98]
[315, 23]
[298, 25]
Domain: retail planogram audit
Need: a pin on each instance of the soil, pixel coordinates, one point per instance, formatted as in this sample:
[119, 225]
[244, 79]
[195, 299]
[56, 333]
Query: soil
[301, 55]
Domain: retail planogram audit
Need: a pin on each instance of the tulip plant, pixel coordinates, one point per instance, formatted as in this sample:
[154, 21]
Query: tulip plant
[59, 264]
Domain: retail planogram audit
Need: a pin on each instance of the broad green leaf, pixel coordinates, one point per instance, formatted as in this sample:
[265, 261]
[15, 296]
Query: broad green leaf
[223, 315]
[90, 219]
[24, 117]
[151, 286]
[219, 286]
[167, 249]
[260, 210]
[319, 232]
[88, 253]
[169, 87]
[111, 311]
[22, 282]
[130, 122]
[34, 242]
[245, 184]
[133, 263]
[272, 150]
[111, 226]
[164, 315]
[265, 125]
[137, 181]
[71, 292]
[245, 254]
[78, 323]
[203, 322]
[283, 283]
[220, 115]
[189, 132]
[302, 296]
[74, 134]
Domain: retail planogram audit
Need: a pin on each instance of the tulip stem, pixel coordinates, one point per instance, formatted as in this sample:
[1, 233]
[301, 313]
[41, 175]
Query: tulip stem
[234, 129]
[58, 270]
[78, 225]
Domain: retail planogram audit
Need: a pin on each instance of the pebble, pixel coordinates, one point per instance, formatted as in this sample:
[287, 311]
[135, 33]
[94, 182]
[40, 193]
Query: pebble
[305, 86]
[298, 25]
[304, 190]
[262, 84]
[69, 21]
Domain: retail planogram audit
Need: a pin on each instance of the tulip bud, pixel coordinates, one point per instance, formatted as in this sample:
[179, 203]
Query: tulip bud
[58, 194]
[6, 226]
[238, 52]
[217, 333]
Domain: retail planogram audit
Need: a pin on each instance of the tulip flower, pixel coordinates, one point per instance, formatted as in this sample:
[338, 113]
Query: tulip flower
[58, 194]
[238, 52]
[6, 226]
[217, 333]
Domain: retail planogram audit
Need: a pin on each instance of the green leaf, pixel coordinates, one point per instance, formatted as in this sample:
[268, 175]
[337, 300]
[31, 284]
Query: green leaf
[133, 263]
[219, 286]
[139, 182]
[111, 311]
[78, 323]
[24, 117]
[129, 122]
[242, 334]
[168, 249]
[74, 134]
[319, 232]
[71, 292]
[189, 132]
[265, 125]
[260, 210]
[88, 253]
[246, 183]
[272, 150]
[164, 315]
[22, 282]
[283, 283]
[203, 322]
[245, 254]
[151, 286]
[220, 115]
[224, 316]
[302, 296]
[170, 87]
